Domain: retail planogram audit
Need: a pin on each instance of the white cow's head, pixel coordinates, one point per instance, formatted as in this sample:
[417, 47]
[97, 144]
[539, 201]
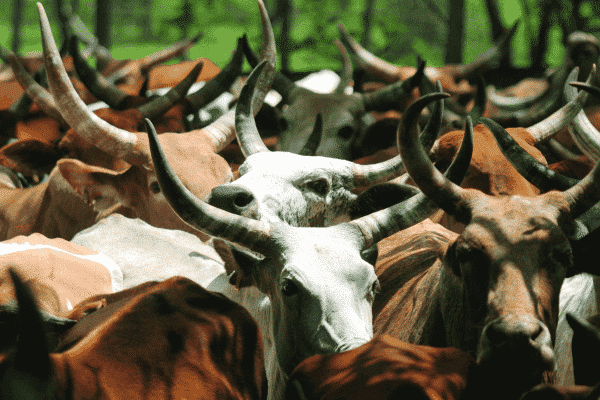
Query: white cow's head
[306, 190]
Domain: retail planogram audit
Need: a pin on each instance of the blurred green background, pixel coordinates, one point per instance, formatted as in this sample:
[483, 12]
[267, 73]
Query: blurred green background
[305, 29]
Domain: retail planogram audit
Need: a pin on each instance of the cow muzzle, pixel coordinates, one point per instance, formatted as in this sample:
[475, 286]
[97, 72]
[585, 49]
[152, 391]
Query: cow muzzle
[235, 199]
[519, 345]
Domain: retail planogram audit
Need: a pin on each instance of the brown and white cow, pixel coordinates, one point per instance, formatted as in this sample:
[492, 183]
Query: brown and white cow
[493, 290]
[164, 340]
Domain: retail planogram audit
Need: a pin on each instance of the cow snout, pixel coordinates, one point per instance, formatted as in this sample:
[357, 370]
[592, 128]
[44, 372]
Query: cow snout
[234, 199]
[523, 338]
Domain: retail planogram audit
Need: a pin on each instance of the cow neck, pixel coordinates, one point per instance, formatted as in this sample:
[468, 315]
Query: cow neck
[51, 208]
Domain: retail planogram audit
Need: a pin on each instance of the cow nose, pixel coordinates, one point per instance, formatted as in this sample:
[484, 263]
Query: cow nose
[234, 199]
[517, 333]
[521, 336]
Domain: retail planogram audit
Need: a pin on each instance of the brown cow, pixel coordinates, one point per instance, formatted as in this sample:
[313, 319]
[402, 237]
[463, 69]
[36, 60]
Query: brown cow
[172, 339]
[55, 208]
[493, 290]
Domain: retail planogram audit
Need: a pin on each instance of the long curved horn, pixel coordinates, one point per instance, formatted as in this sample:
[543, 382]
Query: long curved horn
[447, 195]
[585, 194]
[312, 144]
[164, 103]
[548, 127]
[281, 83]
[96, 83]
[489, 59]
[247, 133]
[222, 131]
[586, 136]
[531, 169]
[35, 91]
[480, 100]
[587, 87]
[373, 174]
[346, 74]
[390, 96]
[370, 62]
[200, 215]
[116, 142]
[144, 65]
[220, 83]
[383, 223]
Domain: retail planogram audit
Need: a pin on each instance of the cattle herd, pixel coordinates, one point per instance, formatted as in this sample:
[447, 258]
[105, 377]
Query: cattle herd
[181, 232]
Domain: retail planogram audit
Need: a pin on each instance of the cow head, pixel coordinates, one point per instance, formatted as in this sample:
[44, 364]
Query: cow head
[502, 276]
[320, 288]
[303, 190]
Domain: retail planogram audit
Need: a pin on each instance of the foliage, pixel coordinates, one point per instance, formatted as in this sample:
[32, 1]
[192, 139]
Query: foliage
[396, 31]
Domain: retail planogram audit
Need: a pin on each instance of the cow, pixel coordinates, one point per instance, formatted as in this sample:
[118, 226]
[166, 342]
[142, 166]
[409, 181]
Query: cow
[384, 368]
[344, 115]
[77, 194]
[493, 291]
[189, 343]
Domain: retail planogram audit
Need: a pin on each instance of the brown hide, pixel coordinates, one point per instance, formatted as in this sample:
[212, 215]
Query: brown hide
[384, 368]
[490, 172]
[162, 76]
[172, 340]
[56, 278]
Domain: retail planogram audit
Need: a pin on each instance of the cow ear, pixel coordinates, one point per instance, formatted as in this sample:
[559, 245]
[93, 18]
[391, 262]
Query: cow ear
[238, 263]
[100, 187]
[379, 197]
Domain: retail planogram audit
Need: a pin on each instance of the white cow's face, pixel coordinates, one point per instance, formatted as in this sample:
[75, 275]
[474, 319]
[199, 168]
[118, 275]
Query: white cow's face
[321, 294]
[285, 187]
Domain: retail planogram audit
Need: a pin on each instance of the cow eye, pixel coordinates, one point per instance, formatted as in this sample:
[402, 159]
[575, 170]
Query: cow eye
[346, 132]
[375, 288]
[288, 288]
[154, 187]
[319, 186]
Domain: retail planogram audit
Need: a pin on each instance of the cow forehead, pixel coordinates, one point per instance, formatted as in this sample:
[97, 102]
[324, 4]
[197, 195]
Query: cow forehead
[328, 104]
[501, 222]
[294, 167]
[324, 252]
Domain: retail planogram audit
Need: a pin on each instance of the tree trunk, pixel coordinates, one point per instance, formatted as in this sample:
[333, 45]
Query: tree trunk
[538, 52]
[103, 22]
[17, 19]
[284, 44]
[365, 39]
[495, 21]
[454, 45]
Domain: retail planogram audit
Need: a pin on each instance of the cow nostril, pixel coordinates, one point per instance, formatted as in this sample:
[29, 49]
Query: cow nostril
[535, 334]
[243, 199]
